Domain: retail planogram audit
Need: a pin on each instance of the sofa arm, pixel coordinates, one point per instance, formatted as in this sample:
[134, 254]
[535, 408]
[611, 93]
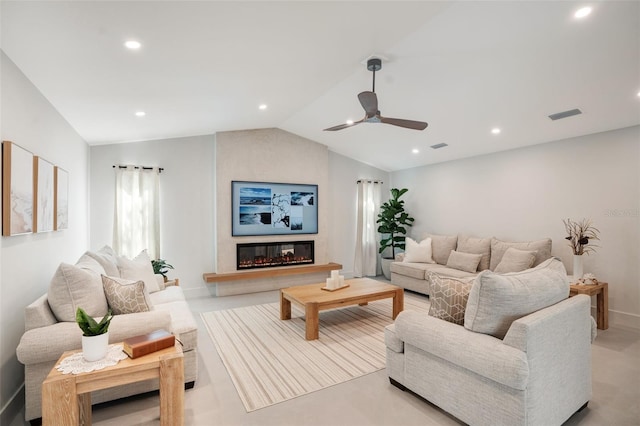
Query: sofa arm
[480, 353]
[48, 343]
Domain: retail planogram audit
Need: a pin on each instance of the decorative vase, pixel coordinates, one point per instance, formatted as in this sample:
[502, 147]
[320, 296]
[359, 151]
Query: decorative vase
[94, 348]
[577, 267]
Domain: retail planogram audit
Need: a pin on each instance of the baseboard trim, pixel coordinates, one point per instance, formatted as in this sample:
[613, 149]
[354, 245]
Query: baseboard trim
[618, 318]
[13, 407]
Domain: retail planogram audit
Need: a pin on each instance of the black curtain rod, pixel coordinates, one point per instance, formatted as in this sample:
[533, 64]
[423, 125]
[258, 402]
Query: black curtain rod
[370, 181]
[160, 169]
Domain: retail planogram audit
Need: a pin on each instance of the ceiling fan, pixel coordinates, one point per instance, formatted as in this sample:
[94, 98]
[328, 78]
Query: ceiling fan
[369, 102]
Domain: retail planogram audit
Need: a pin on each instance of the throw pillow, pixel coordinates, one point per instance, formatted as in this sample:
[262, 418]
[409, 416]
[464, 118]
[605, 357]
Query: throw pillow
[448, 298]
[139, 268]
[495, 300]
[125, 296]
[476, 246]
[467, 262]
[107, 258]
[418, 252]
[515, 260]
[441, 247]
[498, 248]
[72, 287]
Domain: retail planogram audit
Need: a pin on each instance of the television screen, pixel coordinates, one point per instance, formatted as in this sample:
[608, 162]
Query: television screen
[265, 208]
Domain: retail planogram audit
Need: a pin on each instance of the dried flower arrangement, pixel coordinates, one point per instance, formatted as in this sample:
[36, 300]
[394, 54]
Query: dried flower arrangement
[580, 235]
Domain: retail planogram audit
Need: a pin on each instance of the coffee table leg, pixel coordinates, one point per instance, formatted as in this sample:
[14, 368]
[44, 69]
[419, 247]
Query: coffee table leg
[285, 307]
[172, 391]
[311, 321]
[398, 302]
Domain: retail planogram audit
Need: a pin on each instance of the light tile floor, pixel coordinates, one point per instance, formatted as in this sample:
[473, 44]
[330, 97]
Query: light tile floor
[369, 400]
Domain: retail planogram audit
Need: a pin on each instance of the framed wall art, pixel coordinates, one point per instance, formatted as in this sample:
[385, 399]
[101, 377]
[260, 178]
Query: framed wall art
[60, 198]
[17, 190]
[43, 195]
[265, 208]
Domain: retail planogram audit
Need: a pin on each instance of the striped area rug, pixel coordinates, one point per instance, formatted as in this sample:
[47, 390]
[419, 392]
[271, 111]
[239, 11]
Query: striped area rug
[270, 361]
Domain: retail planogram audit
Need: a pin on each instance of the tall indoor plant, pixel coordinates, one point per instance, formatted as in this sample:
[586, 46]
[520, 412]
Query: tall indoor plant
[393, 221]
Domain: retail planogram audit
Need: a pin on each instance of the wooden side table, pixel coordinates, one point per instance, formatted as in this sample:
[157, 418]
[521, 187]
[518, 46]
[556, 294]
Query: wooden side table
[601, 291]
[66, 398]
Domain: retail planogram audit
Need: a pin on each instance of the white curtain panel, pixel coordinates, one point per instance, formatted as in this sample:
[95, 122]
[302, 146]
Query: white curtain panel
[137, 218]
[366, 257]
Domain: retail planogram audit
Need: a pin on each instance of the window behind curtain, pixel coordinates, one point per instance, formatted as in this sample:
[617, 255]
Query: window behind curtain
[136, 221]
[366, 256]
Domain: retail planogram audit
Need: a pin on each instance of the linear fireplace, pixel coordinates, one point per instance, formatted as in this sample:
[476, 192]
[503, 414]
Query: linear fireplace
[266, 255]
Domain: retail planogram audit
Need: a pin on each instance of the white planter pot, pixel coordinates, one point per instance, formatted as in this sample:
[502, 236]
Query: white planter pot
[386, 267]
[94, 348]
[577, 267]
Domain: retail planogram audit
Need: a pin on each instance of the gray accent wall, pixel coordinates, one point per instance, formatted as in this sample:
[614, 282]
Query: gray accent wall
[27, 262]
[524, 194]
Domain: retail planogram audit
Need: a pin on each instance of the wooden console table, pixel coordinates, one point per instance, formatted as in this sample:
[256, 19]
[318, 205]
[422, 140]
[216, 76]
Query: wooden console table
[601, 291]
[66, 398]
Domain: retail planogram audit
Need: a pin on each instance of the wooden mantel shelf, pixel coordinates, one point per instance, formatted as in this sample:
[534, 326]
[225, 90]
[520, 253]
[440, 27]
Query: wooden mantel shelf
[269, 272]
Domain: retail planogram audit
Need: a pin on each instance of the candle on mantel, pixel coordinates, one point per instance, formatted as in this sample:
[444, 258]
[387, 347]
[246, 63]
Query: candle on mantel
[334, 274]
[341, 281]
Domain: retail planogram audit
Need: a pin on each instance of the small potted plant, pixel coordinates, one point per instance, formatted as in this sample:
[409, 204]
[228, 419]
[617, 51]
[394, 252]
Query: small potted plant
[160, 266]
[392, 220]
[95, 335]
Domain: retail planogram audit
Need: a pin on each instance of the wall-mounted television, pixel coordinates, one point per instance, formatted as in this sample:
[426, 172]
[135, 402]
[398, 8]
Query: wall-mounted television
[267, 208]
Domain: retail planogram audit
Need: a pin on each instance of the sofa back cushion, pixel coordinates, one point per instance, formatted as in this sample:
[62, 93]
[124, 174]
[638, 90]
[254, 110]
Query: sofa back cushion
[473, 245]
[71, 288]
[495, 300]
[441, 247]
[541, 247]
[107, 259]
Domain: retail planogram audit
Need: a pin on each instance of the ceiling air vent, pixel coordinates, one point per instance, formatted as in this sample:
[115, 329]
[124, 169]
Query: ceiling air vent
[565, 114]
[439, 145]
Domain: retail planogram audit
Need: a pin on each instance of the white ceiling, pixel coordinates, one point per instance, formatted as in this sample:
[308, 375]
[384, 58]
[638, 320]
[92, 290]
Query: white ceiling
[204, 67]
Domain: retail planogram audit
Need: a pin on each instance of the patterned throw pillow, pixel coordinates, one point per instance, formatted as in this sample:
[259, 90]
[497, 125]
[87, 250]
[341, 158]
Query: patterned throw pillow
[125, 296]
[448, 298]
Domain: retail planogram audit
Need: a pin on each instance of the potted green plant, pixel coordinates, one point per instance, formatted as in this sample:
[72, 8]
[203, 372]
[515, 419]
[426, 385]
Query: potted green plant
[95, 335]
[160, 266]
[392, 221]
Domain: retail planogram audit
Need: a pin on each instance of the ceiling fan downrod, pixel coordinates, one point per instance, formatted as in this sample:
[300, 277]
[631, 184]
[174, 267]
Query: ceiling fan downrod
[374, 64]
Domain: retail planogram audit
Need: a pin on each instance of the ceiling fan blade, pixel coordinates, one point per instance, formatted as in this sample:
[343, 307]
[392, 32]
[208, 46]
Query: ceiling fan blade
[342, 126]
[369, 102]
[409, 124]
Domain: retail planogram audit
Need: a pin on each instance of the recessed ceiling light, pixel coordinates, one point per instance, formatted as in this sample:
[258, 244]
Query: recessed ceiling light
[495, 131]
[639, 94]
[349, 122]
[140, 113]
[415, 150]
[582, 12]
[263, 106]
[132, 44]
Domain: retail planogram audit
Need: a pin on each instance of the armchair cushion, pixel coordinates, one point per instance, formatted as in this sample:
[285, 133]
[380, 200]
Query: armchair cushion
[495, 300]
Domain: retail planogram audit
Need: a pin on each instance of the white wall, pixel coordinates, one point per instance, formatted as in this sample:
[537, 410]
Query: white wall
[186, 200]
[29, 261]
[524, 194]
[267, 155]
[343, 194]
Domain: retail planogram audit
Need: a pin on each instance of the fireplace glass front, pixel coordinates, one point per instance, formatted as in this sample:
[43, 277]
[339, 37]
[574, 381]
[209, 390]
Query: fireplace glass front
[266, 255]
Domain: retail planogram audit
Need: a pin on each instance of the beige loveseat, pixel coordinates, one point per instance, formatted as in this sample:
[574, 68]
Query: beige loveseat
[50, 328]
[461, 256]
[522, 355]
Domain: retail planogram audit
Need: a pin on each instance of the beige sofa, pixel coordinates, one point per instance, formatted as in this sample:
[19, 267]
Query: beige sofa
[50, 329]
[522, 355]
[461, 256]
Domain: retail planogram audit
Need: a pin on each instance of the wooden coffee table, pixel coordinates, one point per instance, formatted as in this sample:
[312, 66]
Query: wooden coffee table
[313, 299]
[66, 398]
